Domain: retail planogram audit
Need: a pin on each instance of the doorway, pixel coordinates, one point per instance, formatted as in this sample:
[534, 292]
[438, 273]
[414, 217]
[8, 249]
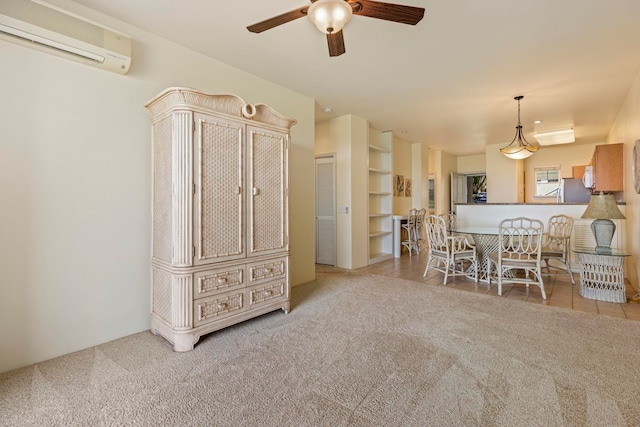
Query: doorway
[326, 209]
[469, 188]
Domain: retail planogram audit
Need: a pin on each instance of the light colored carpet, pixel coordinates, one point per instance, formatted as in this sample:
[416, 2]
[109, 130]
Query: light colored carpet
[359, 350]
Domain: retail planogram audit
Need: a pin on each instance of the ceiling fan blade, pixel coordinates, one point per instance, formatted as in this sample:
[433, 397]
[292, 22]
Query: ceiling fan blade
[336, 43]
[267, 24]
[388, 11]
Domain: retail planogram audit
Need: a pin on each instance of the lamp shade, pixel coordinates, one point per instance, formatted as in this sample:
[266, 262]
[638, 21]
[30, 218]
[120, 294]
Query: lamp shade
[519, 147]
[330, 15]
[602, 209]
[519, 152]
[602, 206]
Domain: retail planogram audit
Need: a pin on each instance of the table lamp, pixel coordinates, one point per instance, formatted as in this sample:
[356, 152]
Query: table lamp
[603, 208]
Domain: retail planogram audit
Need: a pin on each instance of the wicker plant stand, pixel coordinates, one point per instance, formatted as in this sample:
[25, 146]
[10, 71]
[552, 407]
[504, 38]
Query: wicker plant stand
[601, 275]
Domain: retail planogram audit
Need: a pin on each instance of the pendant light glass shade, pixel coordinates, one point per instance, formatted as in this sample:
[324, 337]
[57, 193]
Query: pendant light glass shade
[519, 147]
[330, 15]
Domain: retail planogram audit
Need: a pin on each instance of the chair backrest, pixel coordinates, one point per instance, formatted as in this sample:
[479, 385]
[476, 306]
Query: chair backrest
[436, 233]
[411, 219]
[420, 213]
[451, 221]
[559, 232]
[521, 238]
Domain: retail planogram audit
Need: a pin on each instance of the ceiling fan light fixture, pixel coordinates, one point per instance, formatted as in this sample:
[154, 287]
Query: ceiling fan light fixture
[329, 16]
[519, 147]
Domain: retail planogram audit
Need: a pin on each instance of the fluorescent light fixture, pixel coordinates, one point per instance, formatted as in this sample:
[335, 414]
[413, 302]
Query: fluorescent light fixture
[51, 43]
[562, 136]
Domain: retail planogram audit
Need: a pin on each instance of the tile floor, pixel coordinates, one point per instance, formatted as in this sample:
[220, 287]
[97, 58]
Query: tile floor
[560, 292]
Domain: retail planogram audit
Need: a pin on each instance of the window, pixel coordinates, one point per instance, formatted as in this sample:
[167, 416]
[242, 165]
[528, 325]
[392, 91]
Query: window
[432, 194]
[547, 181]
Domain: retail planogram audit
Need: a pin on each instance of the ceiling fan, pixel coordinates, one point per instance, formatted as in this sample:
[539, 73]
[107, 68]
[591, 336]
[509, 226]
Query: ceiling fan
[331, 15]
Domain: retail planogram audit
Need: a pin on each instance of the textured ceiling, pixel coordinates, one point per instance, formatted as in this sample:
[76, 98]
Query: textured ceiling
[448, 82]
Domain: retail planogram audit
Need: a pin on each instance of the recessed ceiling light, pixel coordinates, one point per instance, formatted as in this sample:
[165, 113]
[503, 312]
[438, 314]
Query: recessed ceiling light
[537, 122]
[327, 109]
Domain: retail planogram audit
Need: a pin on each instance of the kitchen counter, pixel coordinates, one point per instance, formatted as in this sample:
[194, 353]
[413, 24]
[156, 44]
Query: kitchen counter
[490, 214]
[533, 203]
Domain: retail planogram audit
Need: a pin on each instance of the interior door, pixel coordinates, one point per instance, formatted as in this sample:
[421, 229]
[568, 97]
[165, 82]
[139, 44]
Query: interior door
[458, 189]
[325, 211]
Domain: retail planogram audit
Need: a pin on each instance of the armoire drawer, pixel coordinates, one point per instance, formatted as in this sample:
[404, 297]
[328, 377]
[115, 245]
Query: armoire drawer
[266, 270]
[209, 309]
[213, 282]
[267, 293]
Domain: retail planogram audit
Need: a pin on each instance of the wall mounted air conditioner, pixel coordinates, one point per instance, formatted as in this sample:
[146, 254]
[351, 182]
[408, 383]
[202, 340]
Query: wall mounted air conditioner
[47, 28]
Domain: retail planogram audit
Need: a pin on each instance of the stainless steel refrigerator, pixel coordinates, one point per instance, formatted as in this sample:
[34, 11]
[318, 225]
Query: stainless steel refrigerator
[572, 190]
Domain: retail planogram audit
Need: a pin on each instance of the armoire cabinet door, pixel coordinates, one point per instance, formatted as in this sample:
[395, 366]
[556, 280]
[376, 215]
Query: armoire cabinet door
[267, 191]
[219, 190]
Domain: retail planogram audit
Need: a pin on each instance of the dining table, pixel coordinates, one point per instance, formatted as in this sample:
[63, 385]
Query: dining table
[486, 241]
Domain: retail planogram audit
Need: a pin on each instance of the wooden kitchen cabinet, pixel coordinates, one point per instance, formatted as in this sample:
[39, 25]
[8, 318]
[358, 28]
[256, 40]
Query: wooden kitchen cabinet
[607, 162]
[577, 171]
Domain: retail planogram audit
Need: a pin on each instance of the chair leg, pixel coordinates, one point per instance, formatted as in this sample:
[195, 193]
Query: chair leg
[569, 272]
[538, 275]
[446, 275]
[448, 266]
[427, 267]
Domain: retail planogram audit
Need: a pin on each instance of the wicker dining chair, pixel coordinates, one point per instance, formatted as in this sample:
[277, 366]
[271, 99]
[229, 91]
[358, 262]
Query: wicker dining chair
[518, 259]
[410, 227]
[419, 228]
[557, 244]
[449, 253]
[451, 221]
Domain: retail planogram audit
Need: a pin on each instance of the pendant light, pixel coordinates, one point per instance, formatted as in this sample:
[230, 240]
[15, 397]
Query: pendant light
[519, 147]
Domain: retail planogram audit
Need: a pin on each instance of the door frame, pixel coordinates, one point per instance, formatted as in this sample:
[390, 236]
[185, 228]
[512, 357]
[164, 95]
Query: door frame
[332, 157]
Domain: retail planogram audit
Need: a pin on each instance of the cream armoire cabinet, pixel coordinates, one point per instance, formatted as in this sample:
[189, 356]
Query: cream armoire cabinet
[220, 239]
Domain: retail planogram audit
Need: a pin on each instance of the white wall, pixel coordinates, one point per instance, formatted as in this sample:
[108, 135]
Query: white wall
[359, 191]
[402, 166]
[504, 177]
[75, 189]
[472, 164]
[626, 129]
[420, 174]
[442, 164]
[347, 137]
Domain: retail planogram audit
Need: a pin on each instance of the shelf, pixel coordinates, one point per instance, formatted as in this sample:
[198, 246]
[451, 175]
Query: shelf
[379, 257]
[380, 197]
[379, 149]
[379, 171]
[380, 233]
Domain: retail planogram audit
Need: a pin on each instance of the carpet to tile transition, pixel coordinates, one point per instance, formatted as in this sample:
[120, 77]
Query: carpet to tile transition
[358, 350]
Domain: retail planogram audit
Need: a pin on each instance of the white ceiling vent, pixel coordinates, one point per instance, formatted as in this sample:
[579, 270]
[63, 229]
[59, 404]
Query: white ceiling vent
[47, 28]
